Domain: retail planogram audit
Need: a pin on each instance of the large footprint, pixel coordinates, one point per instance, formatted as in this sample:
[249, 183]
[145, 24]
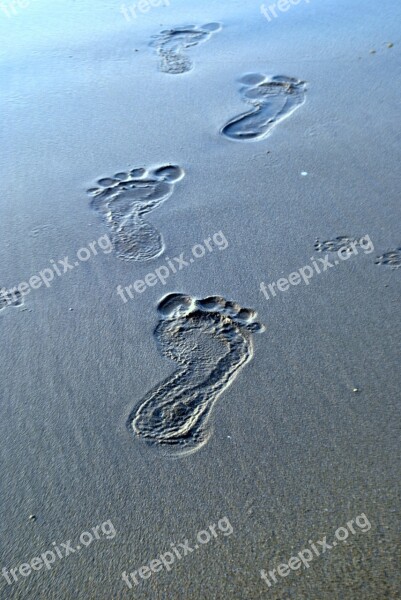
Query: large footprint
[390, 259]
[170, 45]
[211, 340]
[124, 199]
[273, 100]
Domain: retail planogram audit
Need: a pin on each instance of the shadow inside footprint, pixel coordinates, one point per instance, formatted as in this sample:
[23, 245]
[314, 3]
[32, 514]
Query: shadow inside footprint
[342, 242]
[273, 100]
[211, 340]
[391, 259]
[12, 297]
[171, 44]
[125, 198]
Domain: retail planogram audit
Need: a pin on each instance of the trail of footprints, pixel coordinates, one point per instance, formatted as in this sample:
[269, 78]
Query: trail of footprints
[171, 46]
[211, 341]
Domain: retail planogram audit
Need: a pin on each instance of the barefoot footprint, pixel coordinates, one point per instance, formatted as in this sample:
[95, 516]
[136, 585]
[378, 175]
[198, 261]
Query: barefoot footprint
[274, 99]
[211, 340]
[390, 259]
[124, 199]
[171, 43]
[337, 244]
[12, 297]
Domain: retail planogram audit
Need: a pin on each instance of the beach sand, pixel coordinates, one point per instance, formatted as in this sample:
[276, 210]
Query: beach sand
[303, 434]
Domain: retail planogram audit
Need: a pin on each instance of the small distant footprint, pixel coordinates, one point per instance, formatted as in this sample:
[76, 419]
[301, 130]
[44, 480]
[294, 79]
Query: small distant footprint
[10, 298]
[336, 244]
[40, 230]
[390, 259]
[170, 45]
[273, 98]
[211, 340]
[125, 198]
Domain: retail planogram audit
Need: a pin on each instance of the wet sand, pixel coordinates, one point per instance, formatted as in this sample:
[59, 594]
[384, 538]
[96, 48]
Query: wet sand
[291, 431]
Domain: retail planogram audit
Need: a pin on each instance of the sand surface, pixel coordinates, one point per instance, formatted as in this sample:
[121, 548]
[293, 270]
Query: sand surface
[303, 434]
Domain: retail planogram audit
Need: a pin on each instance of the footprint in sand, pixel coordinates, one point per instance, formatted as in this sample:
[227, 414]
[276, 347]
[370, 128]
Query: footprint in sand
[338, 243]
[125, 198]
[273, 100]
[211, 340]
[172, 43]
[391, 259]
[11, 297]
